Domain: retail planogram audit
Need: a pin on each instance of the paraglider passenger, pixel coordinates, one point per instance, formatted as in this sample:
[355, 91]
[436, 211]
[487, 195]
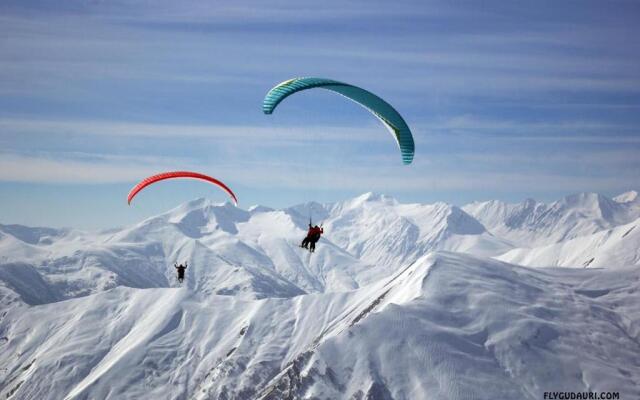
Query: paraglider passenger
[307, 239]
[316, 232]
[180, 269]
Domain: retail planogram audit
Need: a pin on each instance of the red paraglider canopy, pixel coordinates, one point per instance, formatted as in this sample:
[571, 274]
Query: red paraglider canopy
[178, 174]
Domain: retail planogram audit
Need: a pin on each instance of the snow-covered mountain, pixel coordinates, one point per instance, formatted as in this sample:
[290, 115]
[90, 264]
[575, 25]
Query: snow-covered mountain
[612, 248]
[400, 301]
[250, 253]
[627, 197]
[447, 326]
[384, 233]
[532, 224]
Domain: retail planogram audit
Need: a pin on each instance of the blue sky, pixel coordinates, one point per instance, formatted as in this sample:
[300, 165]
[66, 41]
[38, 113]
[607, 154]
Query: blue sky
[506, 100]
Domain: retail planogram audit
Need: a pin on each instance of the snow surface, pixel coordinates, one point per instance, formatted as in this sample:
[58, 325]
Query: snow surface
[400, 301]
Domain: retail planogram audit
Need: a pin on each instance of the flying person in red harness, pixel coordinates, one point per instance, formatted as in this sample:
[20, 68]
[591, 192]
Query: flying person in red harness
[307, 239]
[313, 235]
[317, 232]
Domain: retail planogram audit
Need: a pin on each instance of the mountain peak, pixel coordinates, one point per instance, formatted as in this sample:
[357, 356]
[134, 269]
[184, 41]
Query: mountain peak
[585, 200]
[257, 208]
[373, 197]
[201, 203]
[626, 197]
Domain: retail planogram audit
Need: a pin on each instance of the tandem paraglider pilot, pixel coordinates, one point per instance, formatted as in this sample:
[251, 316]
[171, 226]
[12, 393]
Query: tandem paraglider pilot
[313, 235]
[180, 269]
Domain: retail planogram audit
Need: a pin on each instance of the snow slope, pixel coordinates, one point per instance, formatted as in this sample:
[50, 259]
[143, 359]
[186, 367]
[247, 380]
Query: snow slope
[480, 329]
[447, 326]
[612, 248]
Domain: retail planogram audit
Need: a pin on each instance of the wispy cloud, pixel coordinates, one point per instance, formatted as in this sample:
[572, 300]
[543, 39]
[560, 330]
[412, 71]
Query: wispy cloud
[428, 174]
[18, 168]
[284, 131]
[267, 135]
[47, 51]
[552, 130]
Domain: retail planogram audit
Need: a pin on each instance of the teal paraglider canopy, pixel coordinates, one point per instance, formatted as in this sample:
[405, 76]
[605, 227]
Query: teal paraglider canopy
[377, 106]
